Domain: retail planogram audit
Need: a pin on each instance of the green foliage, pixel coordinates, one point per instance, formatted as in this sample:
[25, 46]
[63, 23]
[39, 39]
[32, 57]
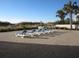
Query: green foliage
[61, 28]
[61, 14]
[29, 23]
[6, 26]
[69, 9]
[5, 23]
[67, 21]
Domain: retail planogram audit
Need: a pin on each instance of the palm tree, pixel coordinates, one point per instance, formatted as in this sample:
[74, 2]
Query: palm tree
[61, 14]
[71, 8]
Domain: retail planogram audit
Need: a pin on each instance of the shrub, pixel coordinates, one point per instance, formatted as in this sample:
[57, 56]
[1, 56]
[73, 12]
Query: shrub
[61, 28]
[16, 29]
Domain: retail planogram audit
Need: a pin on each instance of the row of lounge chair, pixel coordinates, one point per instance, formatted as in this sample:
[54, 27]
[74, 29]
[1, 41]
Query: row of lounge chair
[32, 33]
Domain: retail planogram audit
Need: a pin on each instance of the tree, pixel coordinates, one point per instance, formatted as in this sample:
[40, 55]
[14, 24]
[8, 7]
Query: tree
[61, 14]
[71, 8]
[67, 21]
[77, 19]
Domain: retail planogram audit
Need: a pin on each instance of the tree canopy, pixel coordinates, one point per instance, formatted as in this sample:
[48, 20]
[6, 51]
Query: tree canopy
[69, 8]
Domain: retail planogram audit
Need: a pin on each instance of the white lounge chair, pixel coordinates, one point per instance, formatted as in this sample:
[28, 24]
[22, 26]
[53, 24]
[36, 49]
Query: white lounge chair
[32, 33]
[24, 34]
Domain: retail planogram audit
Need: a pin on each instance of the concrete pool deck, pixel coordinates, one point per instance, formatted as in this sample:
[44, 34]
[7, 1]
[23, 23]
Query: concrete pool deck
[60, 44]
[59, 37]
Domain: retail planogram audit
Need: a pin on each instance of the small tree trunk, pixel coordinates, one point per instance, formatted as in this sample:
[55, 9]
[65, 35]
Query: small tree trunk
[62, 20]
[71, 20]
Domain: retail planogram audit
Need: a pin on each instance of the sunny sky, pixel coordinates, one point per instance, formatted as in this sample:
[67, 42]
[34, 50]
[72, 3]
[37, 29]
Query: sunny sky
[15, 11]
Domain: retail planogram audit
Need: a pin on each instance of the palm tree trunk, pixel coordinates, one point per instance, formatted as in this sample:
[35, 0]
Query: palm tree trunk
[62, 20]
[71, 20]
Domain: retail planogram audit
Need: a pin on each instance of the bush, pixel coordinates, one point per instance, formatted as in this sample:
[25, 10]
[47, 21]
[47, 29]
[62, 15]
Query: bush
[61, 28]
[17, 29]
[3, 30]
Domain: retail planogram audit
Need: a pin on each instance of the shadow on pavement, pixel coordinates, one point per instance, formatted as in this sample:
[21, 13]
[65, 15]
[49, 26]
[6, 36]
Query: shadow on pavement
[21, 50]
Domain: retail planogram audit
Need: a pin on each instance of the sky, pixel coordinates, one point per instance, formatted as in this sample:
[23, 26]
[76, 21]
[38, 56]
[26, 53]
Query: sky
[15, 11]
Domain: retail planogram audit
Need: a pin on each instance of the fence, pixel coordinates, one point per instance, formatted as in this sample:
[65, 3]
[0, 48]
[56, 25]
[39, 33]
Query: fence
[67, 26]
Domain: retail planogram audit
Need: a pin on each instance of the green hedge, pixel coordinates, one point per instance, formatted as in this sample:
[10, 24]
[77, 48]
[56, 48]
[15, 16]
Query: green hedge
[61, 28]
[17, 29]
